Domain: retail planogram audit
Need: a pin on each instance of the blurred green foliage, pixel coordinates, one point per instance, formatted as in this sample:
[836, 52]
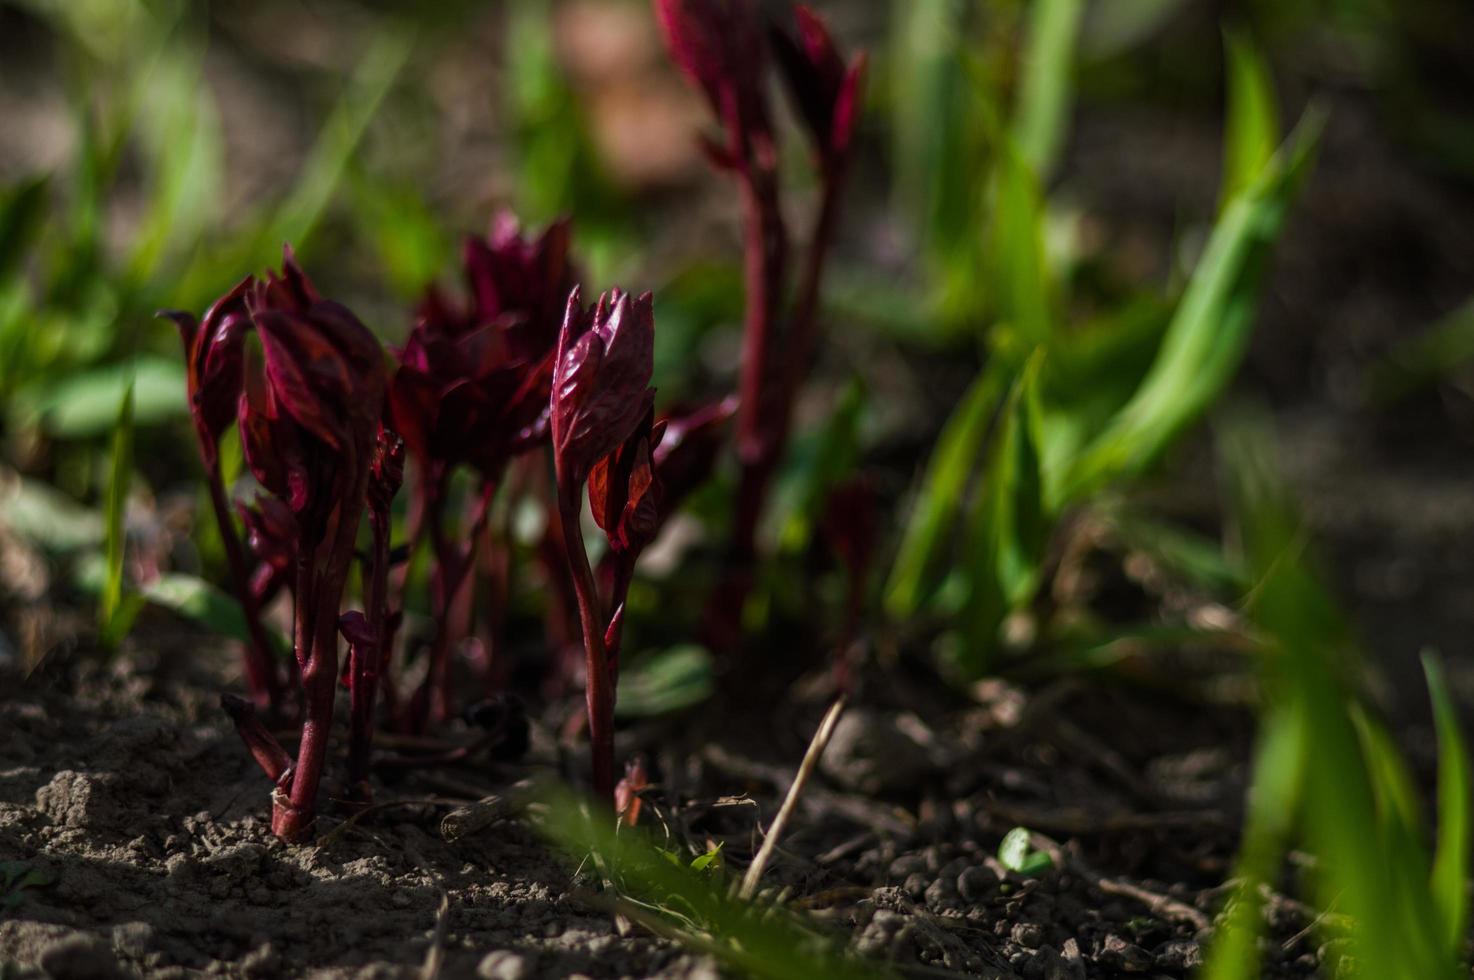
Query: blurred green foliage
[1090, 406]
[1329, 773]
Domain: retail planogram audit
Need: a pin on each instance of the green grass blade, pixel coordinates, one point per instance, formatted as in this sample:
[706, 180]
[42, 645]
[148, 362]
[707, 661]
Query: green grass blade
[326, 164]
[1253, 127]
[1427, 358]
[1210, 331]
[22, 212]
[753, 939]
[1045, 92]
[1193, 557]
[183, 143]
[1450, 878]
[1273, 802]
[295, 219]
[929, 527]
[1372, 867]
[1008, 526]
[1392, 785]
[1017, 263]
[115, 533]
[817, 462]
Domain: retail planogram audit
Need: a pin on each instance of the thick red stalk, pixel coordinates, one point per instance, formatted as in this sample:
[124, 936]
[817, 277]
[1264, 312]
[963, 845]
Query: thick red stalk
[600, 681]
[764, 254]
[321, 574]
[262, 679]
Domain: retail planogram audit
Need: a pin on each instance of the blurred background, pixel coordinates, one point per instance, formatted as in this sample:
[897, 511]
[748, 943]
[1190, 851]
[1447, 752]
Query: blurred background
[153, 153]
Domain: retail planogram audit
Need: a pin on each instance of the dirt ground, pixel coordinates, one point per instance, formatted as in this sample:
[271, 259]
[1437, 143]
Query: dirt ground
[126, 790]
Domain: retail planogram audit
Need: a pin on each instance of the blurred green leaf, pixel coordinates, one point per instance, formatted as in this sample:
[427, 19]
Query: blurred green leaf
[184, 146]
[328, 160]
[710, 861]
[1450, 878]
[411, 244]
[1112, 29]
[48, 518]
[1253, 126]
[1427, 358]
[1008, 526]
[1207, 337]
[198, 601]
[1271, 808]
[817, 462]
[294, 220]
[1044, 99]
[665, 682]
[1372, 866]
[936, 138]
[115, 538]
[22, 212]
[929, 526]
[1016, 261]
[1392, 785]
[1193, 557]
[86, 404]
[188, 596]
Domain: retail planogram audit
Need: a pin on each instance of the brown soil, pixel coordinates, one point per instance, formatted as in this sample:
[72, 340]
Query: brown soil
[126, 790]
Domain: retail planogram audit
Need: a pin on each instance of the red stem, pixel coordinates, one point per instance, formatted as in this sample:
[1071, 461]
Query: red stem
[262, 679]
[321, 573]
[766, 410]
[805, 332]
[366, 664]
[764, 251]
[262, 745]
[599, 687]
[452, 564]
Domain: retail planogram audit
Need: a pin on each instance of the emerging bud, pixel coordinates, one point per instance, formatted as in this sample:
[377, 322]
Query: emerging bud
[521, 281]
[212, 351]
[473, 383]
[601, 379]
[824, 89]
[308, 422]
[718, 45]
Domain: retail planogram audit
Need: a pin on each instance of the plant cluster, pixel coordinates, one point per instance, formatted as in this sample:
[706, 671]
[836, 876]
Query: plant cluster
[516, 370]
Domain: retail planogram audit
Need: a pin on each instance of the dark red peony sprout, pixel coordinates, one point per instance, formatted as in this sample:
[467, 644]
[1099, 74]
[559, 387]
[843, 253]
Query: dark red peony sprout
[601, 408]
[472, 389]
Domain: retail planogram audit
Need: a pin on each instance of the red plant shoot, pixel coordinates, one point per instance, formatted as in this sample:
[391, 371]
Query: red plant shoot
[213, 348]
[309, 420]
[722, 48]
[472, 388]
[600, 403]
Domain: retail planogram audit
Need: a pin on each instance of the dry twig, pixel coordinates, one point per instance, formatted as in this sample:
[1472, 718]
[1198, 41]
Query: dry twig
[775, 829]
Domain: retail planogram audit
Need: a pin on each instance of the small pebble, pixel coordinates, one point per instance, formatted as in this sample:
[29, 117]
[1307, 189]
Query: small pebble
[1029, 935]
[504, 964]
